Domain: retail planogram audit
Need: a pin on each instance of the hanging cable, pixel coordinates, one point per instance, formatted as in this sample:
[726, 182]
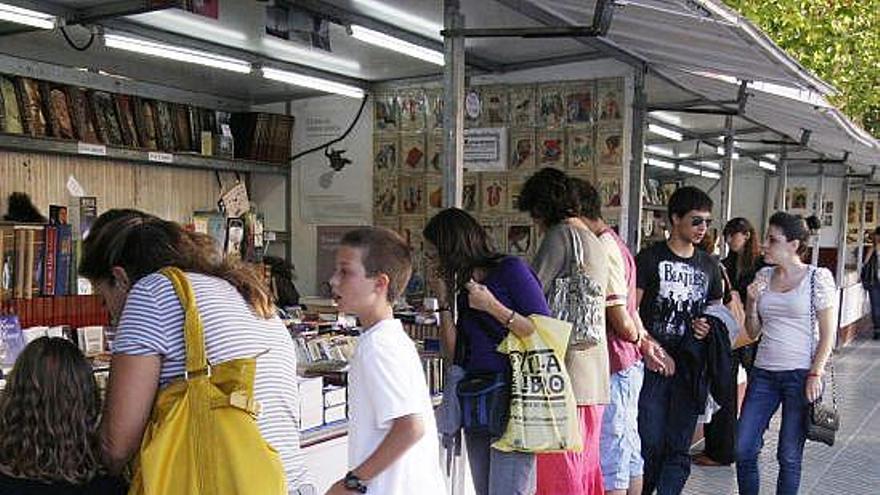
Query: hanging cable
[345, 134]
[73, 44]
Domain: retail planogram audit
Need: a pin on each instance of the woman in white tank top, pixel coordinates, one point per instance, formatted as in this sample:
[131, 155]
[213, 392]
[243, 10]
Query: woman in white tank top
[791, 306]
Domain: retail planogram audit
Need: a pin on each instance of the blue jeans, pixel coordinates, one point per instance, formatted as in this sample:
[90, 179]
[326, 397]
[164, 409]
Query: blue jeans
[766, 390]
[667, 418]
[499, 473]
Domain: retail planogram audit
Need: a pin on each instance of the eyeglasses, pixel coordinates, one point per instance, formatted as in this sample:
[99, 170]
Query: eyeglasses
[697, 221]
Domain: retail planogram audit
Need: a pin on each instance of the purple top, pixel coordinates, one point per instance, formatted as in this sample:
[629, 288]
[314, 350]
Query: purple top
[516, 286]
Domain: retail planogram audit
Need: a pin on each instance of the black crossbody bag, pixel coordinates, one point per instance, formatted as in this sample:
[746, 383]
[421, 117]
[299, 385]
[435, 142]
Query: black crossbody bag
[823, 420]
[484, 398]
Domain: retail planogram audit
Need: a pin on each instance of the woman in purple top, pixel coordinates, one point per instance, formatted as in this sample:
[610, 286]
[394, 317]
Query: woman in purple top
[494, 294]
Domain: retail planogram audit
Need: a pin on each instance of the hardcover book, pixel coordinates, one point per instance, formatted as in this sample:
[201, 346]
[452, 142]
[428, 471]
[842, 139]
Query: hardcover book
[59, 114]
[145, 122]
[108, 127]
[126, 121]
[10, 114]
[31, 107]
[181, 128]
[81, 115]
[164, 126]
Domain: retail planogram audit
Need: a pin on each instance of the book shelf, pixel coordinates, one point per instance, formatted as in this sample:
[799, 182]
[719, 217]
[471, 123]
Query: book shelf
[76, 311]
[19, 142]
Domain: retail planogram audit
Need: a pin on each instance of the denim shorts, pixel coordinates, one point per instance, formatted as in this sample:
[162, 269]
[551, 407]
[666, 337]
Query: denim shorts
[620, 446]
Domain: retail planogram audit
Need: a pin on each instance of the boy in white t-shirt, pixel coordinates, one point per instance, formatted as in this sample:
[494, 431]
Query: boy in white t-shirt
[392, 435]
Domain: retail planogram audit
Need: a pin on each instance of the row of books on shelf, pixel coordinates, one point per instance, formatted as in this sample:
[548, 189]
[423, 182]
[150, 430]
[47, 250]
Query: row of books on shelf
[46, 109]
[93, 340]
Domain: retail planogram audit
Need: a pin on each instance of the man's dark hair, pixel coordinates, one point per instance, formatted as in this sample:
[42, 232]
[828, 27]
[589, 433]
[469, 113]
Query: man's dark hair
[589, 203]
[548, 196]
[686, 199]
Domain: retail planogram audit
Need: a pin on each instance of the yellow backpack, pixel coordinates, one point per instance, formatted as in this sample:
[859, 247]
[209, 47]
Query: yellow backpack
[202, 438]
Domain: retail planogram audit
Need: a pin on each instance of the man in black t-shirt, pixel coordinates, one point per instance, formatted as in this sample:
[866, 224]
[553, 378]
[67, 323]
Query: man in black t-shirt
[675, 283]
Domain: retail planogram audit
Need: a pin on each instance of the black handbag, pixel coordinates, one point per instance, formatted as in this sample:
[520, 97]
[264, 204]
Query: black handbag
[485, 403]
[823, 420]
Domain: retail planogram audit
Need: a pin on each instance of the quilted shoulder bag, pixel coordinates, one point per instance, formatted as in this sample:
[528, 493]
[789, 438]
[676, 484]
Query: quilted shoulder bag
[579, 300]
[823, 420]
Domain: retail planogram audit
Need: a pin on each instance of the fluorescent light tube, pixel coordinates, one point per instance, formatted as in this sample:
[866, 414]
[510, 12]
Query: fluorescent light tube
[398, 45]
[772, 156]
[767, 165]
[710, 175]
[177, 53]
[661, 164]
[379, 9]
[310, 82]
[310, 56]
[712, 165]
[721, 152]
[27, 17]
[668, 117]
[660, 151]
[665, 132]
[688, 170]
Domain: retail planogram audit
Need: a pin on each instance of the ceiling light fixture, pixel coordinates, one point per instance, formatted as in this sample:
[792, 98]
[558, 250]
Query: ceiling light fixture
[688, 170]
[710, 175]
[665, 132]
[660, 151]
[27, 17]
[707, 164]
[177, 53]
[767, 165]
[392, 15]
[668, 117]
[661, 164]
[382, 40]
[720, 151]
[310, 82]
[310, 56]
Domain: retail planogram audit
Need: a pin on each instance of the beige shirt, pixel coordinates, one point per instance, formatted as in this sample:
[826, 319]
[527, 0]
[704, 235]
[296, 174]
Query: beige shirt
[588, 368]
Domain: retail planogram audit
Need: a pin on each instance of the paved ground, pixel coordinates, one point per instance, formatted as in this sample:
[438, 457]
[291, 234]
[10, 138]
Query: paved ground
[852, 466]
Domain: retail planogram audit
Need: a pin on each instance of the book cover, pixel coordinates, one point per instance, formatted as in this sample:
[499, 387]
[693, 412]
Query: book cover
[412, 109]
[13, 340]
[10, 114]
[63, 259]
[195, 128]
[31, 107]
[580, 149]
[59, 114]
[125, 112]
[7, 262]
[49, 265]
[551, 149]
[37, 257]
[522, 149]
[88, 212]
[145, 122]
[57, 214]
[164, 126]
[579, 104]
[109, 131]
[385, 154]
[20, 256]
[551, 109]
[181, 128]
[522, 106]
[413, 153]
[81, 116]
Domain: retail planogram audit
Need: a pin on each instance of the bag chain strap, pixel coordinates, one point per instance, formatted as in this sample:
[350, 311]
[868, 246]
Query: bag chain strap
[813, 328]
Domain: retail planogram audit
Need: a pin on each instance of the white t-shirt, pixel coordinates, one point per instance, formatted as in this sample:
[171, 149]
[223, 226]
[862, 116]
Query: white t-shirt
[788, 341]
[386, 381]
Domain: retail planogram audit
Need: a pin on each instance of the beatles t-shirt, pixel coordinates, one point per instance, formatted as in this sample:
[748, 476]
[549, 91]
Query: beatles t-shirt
[676, 290]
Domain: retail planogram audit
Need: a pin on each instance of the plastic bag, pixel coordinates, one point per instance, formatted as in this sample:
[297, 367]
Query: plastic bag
[543, 411]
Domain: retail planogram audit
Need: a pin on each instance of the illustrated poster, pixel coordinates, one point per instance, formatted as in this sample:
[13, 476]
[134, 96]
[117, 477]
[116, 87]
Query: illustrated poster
[412, 110]
[551, 109]
[522, 106]
[579, 104]
[522, 149]
[412, 156]
[493, 193]
[551, 149]
[580, 149]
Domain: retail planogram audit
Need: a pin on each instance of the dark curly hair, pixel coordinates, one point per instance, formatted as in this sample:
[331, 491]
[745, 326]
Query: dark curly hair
[794, 228]
[549, 197]
[590, 203]
[49, 415]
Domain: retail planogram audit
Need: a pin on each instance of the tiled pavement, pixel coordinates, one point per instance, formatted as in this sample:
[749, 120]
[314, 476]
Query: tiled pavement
[852, 466]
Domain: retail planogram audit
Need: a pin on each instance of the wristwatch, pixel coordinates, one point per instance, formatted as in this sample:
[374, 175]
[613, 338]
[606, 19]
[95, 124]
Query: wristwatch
[353, 483]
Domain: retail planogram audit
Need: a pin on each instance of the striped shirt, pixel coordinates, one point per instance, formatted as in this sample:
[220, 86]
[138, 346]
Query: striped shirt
[152, 324]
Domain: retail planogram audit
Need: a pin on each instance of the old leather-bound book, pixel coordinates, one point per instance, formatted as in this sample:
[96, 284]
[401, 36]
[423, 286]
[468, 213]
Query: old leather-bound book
[10, 113]
[59, 114]
[164, 126]
[126, 120]
[181, 127]
[105, 116]
[81, 115]
[144, 122]
[195, 128]
[31, 107]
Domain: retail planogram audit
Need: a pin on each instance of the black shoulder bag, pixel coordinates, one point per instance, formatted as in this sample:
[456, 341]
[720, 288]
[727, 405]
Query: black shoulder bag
[484, 398]
[823, 420]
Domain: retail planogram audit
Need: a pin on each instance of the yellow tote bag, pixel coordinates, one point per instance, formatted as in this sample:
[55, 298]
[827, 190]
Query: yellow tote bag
[543, 411]
[202, 438]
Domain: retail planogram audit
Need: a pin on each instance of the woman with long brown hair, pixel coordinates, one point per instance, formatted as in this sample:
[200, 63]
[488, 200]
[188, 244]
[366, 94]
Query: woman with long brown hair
[494, 295]
[48, 424]
[122, 256]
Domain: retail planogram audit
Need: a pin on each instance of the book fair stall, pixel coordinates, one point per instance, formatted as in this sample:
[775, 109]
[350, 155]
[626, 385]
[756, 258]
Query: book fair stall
[276, 127]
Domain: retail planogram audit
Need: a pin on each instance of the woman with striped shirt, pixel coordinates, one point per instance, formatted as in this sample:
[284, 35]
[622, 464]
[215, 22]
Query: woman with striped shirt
[122, 256]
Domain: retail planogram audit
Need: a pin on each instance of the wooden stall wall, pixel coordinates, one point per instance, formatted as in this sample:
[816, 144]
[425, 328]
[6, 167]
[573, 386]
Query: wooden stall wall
[170, 193]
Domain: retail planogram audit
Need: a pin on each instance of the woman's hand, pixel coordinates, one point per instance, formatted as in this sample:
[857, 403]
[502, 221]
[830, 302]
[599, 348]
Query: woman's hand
[437, 284]
[814, 387]
[480, 297]
[754, 291]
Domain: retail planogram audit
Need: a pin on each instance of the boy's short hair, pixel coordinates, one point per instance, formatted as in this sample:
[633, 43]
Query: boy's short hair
[686, 199]
[383, 251]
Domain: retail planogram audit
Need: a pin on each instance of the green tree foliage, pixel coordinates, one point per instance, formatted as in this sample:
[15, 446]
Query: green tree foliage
[839, 40]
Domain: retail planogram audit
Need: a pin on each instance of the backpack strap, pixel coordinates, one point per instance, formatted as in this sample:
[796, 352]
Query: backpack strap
[194, 335]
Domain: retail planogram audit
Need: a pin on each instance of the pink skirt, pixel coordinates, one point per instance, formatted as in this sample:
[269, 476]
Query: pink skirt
[575, 473]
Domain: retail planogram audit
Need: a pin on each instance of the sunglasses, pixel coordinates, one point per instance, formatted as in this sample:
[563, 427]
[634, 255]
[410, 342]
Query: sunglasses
[697, 221]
